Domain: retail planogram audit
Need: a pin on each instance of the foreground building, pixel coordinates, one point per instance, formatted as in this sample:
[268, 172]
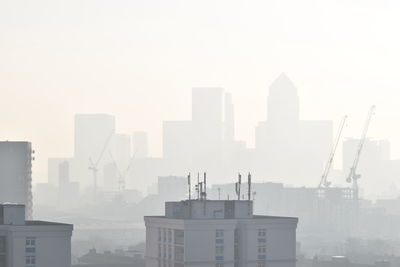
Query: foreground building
[32, 243]
[219, 233]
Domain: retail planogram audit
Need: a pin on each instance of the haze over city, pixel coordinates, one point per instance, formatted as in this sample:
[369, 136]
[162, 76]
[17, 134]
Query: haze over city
[136, 58]
[210, 133]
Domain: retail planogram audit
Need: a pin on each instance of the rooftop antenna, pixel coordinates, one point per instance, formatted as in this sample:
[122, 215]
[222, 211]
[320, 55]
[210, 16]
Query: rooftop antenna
[205, 186]
[189, 185]
[249, 186]
[237, 186]
[198, 185]
[249, 191]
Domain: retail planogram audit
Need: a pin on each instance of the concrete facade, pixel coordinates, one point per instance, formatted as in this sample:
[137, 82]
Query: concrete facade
[32, 243]
[206, 233]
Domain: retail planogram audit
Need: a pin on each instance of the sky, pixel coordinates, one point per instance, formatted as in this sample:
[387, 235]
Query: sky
[139, 59]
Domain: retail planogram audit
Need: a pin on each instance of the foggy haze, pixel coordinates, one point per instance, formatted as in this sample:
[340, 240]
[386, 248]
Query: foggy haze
[136, 58]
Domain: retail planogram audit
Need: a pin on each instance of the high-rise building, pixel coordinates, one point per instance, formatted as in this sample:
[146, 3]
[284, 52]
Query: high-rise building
[93, 136]
[140, 145]
[288, 148]
[16, 174]
[32, 243]
[208, 130]
[216, 233]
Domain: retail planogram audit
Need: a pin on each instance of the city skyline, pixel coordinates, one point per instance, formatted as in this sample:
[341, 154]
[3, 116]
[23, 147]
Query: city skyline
[42, 82]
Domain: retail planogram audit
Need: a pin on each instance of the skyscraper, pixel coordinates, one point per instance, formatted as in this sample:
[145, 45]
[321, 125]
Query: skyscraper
[16, 174]
[140, 145]
[93, 136]
[287, 148]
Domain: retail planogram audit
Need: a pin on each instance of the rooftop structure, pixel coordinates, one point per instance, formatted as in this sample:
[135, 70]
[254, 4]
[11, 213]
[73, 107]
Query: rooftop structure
[32, 243]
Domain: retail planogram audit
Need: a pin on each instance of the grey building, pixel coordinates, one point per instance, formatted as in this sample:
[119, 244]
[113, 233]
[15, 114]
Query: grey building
[16, 174]
[219, 233]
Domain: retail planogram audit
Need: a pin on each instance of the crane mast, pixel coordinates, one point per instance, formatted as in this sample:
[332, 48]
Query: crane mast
[324, 178]
[353, 176]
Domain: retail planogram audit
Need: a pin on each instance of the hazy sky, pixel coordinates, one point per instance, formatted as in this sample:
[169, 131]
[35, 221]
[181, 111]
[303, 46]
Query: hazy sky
[138, 60]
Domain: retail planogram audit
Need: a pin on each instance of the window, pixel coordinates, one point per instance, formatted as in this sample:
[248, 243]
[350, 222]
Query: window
[262, 240]
[159, 235]
[261, 257]
[169, 235]
[219, 233]
[262, 249]
[159, 251]
[219, 264]
[219, 258]
[164, 252]
[219, 250]
[219, 241]
[2, 244]
[30, 260]
[169, 252]
[261, 264]
[164, 235]
[30, 242]
[262, 232]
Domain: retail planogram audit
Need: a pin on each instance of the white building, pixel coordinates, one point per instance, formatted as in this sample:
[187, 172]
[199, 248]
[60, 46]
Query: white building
[32, 243]
[220, 233]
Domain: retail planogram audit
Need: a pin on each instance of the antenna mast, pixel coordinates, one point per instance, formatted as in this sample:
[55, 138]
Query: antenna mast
[237, 186]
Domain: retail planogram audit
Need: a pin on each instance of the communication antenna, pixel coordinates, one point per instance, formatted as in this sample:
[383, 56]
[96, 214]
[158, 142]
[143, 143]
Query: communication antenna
[249, 186]
[205, 186]
[198, 185]
[190, 186]
[238, 185]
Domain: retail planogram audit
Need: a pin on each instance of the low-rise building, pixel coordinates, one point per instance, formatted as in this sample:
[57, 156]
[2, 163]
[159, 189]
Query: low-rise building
[26, 243]
[220, 233]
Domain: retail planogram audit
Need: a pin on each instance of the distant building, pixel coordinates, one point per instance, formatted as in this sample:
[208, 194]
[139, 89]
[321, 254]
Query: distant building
[219, 233]
[16, 174]
[287, 147]
[93, 135]
[32, 243]
[140, 144]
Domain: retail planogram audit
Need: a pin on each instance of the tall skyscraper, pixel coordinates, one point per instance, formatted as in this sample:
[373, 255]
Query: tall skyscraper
[287, 148]
[93, 136]
[140, 145]
[207, 128]
[219, 233]
[16, 174]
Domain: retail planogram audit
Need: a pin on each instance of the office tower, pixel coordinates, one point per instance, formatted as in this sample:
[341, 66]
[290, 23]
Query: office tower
[93, 135]
[286, 147]
[229, 119]
[216, 233]
[92, 132]
[53, 170]
[32, 243]
[63, 173]
[177, 144]
[16, 174]
[207, 128]
[140, 145]
[68, 192]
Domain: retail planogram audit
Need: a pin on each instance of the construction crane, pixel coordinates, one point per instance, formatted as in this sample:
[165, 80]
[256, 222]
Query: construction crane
[353, 176]
[324, 178]
[121, 175]
[94, 166]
